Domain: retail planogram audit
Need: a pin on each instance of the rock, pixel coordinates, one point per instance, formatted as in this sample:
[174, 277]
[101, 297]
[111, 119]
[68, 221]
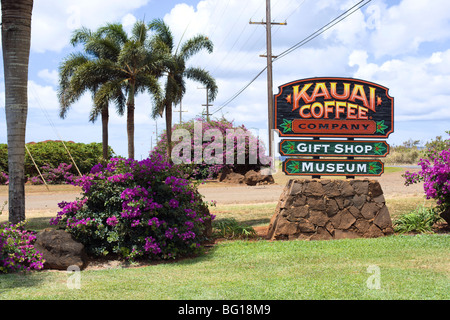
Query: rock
[224, 173]
[234, 177]
[253, 178]
[330, 209]
[383, 219]
[60, 250]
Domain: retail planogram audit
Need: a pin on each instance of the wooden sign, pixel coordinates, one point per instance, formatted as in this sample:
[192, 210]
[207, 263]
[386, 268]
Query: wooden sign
[308, 167]
[294, 147]
[333, 107]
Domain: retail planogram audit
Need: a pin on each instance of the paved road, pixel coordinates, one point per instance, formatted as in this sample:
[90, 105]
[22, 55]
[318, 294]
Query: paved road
[392, 184]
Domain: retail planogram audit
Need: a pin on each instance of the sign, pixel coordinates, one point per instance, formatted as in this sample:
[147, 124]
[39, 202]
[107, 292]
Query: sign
[294, 147]
[308, 167]
[333, 107]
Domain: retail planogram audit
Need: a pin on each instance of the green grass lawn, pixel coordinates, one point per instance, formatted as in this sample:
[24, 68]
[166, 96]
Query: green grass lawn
[410, 267]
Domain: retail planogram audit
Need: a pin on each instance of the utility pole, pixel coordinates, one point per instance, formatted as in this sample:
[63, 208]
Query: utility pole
[269, 56]
[207, 105]
[181, 110]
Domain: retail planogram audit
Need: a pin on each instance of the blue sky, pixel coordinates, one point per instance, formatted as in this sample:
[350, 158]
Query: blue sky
[403, 45]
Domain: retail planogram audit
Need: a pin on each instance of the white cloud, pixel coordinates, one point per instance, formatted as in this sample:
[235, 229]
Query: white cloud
[418, 84]
[404, 27]
[49, 76]
[54, 21]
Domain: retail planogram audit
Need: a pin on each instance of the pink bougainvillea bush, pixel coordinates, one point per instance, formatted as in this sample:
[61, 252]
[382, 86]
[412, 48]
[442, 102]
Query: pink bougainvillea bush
[210, 134]
[435, 175]
[17, 252]
[137, 209]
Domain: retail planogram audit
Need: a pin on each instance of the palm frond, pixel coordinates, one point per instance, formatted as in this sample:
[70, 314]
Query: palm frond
[80, 35]
[195, 45]
[139, 32]
[113, 31]
[203, 76]
[163, 32]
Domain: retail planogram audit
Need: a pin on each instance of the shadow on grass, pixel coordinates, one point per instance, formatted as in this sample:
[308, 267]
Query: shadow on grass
[17, 280]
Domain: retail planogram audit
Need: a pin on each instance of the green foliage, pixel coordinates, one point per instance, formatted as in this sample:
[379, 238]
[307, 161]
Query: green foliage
[136, 209]
[53, 153]
[229, 228]
[435, 146]
[420, 220]
[17, 252]
[407, 153]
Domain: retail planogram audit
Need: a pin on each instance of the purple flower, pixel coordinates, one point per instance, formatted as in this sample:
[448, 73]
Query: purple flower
[112, 221]
[173, 203]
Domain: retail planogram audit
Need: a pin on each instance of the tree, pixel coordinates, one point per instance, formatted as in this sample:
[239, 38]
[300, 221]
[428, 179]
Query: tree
[136, 70]
[119, 67]
[16, 36]
[176, 71]
[79, 73]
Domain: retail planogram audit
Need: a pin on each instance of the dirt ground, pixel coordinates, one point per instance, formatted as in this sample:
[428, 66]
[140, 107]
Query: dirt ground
[39, 198]
[392, 184]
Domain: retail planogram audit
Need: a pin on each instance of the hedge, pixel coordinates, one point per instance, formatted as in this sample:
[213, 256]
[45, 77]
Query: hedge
[53, 153]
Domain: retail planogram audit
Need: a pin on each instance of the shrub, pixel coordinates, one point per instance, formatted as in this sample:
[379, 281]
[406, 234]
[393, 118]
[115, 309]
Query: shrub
[435, 146]
[229, 228]
[4, 178]
[136, 209]
[435, 174]
[210, 166]
[58, 175]
[407, 153]
[17, 252]
[53, 153]
[421, 220]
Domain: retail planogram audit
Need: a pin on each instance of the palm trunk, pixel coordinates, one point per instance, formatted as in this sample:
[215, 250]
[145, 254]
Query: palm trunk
[105, 119]
[130, 121]
[16, 33]
[169, 130]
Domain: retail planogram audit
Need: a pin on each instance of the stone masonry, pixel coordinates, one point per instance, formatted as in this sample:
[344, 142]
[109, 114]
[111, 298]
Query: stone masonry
[330, 209]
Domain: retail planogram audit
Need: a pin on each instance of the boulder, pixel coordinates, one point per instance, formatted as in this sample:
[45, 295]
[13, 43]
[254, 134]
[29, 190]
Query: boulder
[330, 209]
[253, 178]
[60, 250]
[234, 177]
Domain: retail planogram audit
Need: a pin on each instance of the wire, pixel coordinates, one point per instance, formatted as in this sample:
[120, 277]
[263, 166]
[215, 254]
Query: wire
[329, 25]
[315, 34]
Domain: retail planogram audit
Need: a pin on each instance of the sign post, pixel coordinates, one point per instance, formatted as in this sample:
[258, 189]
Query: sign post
[330, 108]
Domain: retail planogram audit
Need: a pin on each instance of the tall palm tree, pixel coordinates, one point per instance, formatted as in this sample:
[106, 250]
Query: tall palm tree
[16, 35]
[136, 70]
[79, 73]
[176, 71]
[122, 66]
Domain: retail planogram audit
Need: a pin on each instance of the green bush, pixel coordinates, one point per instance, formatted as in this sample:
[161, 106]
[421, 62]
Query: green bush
[137, 209]
[421, 220]
[53, 153]
[17, 252]
[229, 228]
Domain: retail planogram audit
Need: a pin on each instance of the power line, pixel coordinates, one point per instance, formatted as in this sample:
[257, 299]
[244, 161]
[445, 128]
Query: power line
[315, 34]
[329, 25]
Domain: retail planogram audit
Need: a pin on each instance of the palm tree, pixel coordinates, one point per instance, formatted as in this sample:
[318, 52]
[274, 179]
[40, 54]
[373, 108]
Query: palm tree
[80, 72]
[16, 35]
[121, 67]
[136, 70]
[176, 71]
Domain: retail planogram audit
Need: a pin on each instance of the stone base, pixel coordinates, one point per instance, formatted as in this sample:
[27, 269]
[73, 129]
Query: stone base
[321, 209]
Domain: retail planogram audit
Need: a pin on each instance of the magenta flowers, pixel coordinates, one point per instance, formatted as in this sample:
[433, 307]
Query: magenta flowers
[136, 209]
[435, 174]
